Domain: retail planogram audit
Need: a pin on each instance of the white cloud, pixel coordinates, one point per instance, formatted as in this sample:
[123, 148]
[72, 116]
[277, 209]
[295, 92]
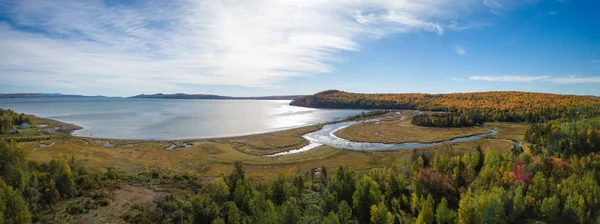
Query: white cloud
[508, 78]
[574, 79]
[501, 6]
[595, 61]
[457, 79]
[571, 79]
[157, 45]
[460, 51]
[453, 25]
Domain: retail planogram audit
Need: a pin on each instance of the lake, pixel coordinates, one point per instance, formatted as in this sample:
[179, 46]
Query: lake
[160, 119]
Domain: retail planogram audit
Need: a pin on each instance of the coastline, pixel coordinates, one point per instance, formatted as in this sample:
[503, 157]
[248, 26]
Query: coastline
[68, 129]
[63, 127]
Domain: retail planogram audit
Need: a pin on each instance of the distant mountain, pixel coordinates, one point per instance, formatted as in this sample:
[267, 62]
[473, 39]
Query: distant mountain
[213, 97]
[38, 95]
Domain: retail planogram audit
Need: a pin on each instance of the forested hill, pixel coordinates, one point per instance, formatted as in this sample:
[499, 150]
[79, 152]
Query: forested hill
[214, 97]
[502, 106]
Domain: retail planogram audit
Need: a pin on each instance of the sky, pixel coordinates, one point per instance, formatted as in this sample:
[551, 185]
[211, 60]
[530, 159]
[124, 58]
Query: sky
[285, 47]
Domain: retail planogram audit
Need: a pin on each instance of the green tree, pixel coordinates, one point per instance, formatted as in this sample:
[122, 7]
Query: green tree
[490, 206]
[13, 208]
[218, 221]
[63, 177]
[291, 211]
[576, 208]
[550, 208]
[444, 214]
[538, 189]
[13, 165]
[518, 203]
[263, 210]
[233, 216]
[426, 216]
[485, 207]
[343, 184]
[217, 190]
[381, 215]
[243, 194]
[415, 203]
[278, 190]
[205, 209]
[332, 218]
[344, 212]
[366, 194]
[237, 174]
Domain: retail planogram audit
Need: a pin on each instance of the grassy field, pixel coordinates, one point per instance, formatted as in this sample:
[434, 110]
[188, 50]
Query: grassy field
[393, 129]
[216, 157]
[271, 143]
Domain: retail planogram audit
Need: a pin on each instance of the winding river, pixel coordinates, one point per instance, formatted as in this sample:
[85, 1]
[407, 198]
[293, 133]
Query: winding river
[326, 136]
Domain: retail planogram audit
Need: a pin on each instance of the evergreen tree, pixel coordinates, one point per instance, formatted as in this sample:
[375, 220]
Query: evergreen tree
[444, 214]
[366, 194]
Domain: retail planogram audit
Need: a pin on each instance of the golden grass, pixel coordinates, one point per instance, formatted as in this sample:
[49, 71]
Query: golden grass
[216, 157]
[271, 143]
[514, 131]
[402, 131]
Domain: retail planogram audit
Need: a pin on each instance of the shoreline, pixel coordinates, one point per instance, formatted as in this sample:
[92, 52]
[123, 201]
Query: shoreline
[71, 128]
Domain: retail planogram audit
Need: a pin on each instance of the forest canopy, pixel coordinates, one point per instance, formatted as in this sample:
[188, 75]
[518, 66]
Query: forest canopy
[486, 106]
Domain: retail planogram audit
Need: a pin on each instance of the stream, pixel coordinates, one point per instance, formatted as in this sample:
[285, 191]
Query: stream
[326, 136]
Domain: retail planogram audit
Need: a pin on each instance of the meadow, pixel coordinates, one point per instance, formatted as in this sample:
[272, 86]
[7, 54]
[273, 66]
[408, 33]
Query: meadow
[215, 157]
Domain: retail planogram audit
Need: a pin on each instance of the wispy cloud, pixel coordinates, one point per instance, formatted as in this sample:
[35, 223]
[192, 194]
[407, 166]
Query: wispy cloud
[460, 50]
[500, 6]
[508, 78]
[158, 45]
[453, 25]
[574, 79]
[564, 80]
[457, 79]
[595, 61]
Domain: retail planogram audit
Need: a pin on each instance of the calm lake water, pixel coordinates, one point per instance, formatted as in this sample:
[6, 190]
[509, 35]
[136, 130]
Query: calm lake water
[125, 118]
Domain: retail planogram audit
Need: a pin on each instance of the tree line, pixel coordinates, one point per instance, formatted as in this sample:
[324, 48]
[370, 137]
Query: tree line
[451, 119]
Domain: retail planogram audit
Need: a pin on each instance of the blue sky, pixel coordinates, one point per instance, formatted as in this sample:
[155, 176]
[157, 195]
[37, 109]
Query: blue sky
[278, 47]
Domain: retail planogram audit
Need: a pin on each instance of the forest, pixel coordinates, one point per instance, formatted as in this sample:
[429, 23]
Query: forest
[451, 119]
[559, 183]
[564, 138]
[487, 106]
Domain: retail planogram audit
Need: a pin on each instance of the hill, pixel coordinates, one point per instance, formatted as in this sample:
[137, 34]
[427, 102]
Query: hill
[493, 106]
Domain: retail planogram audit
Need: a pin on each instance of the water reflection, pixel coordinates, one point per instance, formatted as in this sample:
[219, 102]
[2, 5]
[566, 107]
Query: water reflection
[173, 119]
